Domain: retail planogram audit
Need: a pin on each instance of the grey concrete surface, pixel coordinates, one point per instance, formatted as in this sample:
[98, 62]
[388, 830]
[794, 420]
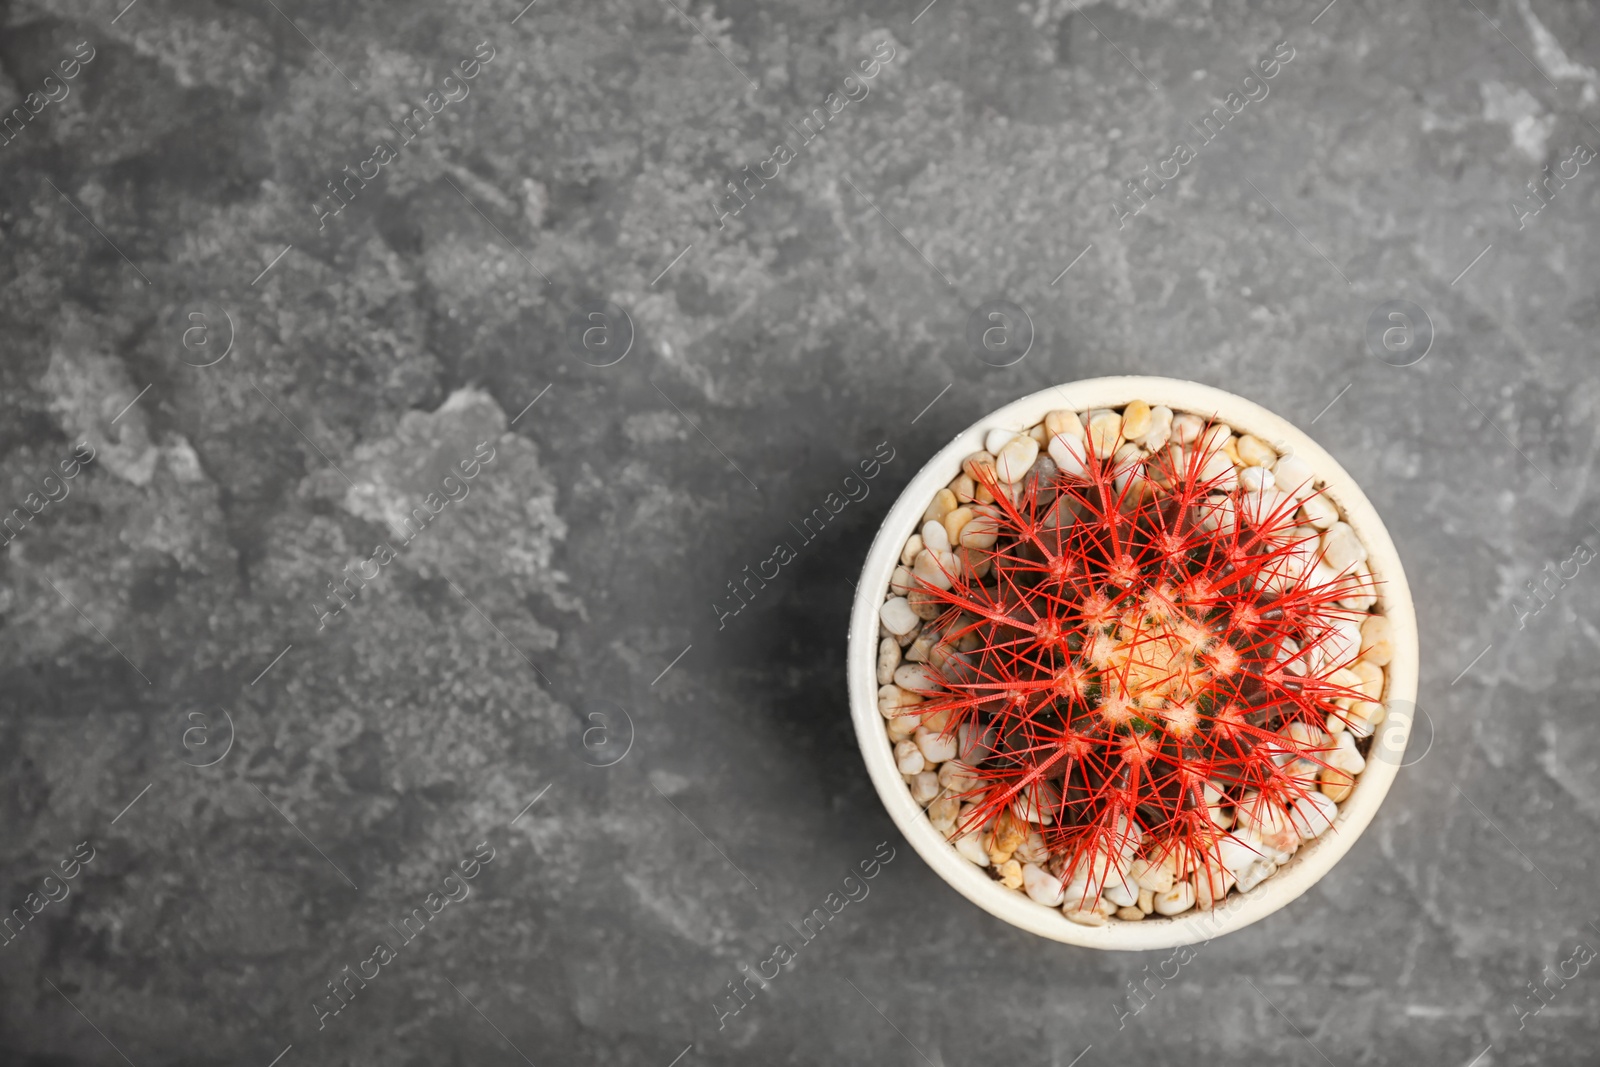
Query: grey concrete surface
[267, 789]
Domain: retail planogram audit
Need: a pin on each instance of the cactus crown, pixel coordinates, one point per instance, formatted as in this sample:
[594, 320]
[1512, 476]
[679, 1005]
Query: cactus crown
[1138, 648]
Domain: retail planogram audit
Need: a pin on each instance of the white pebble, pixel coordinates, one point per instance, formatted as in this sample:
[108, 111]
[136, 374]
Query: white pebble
[957, 777]
[1013, 461]
[953, 522]
[897, 615]
[1121, 890]
[1186, 427]
[944, 502]
[1319, 511]
[936, 746]
[1258, 508]
[1088, 876]
[1341, 548]
[1042, 886]
[1220, 814]
[1377, 640]
[1260, 815]
[1363, 596]
[1254, 451]
[1340, 644]
[1160, 431]
[924, 786]
[908, 758]
[996, 439]
[918, 652]
[1255, 874]
[1070, 453]
[1346, 756]
[1154, 877]
[1105, 433]
[1278, 847]
[1063, 422]
[1368, 675]
[934, 536]
[1310, 740]
[971, 846]
[1177, 900]
[937, 568]
[1294, 476]
[1036, 805]
[1032, 849]
[892, 701]
[1237, 851]
[916, 677]
[1211, 884]
[1356, 720]
[1127, 466]
[888, 659]
[942, 813]
[1215, 439]
[1320, 574]
[900, 725]
[1256, 479]
[1135, 420]
[901, 583]
[982, 530]
[1218, 473]
[1312, 815]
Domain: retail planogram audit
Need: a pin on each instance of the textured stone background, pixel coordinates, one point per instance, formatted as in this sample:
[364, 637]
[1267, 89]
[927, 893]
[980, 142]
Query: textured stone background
[768, 360]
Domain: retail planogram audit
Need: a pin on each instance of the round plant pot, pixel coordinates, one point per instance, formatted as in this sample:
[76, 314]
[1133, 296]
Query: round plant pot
[1307, 865]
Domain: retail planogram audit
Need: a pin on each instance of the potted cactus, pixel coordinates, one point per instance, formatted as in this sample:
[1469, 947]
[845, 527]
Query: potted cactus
[1119, 657]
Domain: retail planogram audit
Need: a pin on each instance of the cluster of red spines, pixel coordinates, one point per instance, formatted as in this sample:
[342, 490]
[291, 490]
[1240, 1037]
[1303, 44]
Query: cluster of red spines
[1131, 647]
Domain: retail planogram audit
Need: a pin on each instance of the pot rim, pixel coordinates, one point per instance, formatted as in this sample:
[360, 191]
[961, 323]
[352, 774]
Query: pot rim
[1315, 858]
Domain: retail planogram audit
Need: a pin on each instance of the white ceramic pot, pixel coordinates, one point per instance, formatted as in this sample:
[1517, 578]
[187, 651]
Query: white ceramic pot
[1313, 860]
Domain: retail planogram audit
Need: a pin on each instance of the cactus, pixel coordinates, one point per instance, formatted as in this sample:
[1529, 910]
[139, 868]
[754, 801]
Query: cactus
[1126, 651]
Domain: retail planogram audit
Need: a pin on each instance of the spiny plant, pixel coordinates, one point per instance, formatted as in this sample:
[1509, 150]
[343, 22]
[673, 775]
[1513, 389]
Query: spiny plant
[1135, 638]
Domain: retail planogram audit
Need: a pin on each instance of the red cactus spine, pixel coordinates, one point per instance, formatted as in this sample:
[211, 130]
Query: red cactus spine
[1139, 646]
